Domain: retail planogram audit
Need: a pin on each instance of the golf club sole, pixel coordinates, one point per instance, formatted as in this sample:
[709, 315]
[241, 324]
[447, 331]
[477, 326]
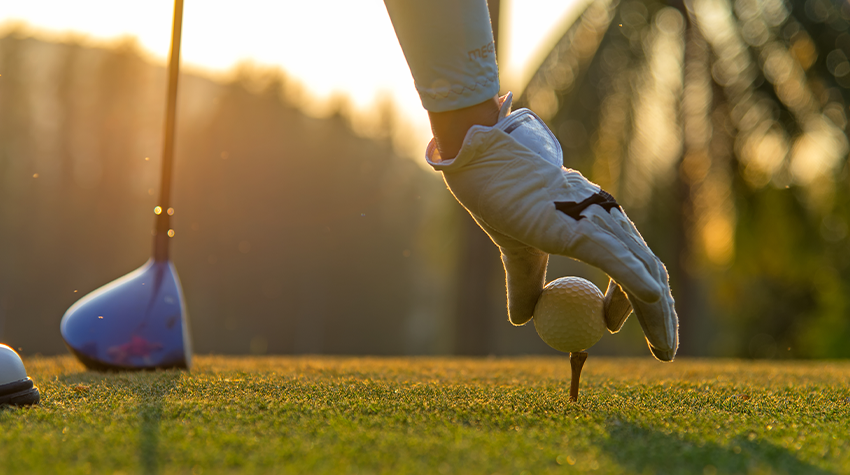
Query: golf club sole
[97, 365]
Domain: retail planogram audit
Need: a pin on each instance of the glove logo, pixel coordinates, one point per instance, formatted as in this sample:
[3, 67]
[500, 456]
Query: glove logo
[573, 209]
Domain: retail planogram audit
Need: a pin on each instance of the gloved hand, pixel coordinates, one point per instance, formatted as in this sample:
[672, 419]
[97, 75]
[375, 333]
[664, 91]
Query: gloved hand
[511, 180]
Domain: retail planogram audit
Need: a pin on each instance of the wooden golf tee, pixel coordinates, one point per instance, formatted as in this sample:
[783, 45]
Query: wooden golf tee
[576, 363]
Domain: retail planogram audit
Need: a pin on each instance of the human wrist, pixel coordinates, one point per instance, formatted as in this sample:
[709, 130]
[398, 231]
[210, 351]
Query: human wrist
[450, 127]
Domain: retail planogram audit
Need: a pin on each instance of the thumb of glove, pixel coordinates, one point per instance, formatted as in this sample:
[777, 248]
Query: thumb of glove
[525, 275]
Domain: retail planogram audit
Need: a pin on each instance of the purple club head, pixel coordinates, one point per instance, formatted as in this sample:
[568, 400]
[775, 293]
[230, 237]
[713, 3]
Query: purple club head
[137, 322]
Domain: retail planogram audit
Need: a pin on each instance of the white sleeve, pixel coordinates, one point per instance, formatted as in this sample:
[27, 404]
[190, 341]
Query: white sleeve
[449, 48]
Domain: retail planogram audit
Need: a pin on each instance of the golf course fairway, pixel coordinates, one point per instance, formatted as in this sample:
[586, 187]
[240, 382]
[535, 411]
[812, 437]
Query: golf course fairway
[434, 415]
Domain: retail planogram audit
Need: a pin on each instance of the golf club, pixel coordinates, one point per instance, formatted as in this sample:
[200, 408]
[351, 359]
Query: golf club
[139, 322]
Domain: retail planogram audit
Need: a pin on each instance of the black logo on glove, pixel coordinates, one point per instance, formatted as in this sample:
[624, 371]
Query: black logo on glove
[573, 209]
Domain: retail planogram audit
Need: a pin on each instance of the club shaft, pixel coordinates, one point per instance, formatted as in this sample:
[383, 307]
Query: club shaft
[163, 219]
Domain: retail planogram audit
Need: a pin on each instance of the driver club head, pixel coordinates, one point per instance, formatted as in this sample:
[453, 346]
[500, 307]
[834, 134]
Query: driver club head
[137, 322]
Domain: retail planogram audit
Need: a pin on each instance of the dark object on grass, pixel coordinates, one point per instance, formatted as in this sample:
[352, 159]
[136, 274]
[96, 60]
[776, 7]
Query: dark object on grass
[19, 393]
[576, 363]
[139, 321]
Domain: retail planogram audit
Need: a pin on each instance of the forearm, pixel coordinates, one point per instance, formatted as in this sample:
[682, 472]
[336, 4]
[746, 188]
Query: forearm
[449, 48]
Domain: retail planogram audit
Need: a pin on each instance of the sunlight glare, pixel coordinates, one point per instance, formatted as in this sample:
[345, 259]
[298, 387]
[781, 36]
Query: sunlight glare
[333, 47]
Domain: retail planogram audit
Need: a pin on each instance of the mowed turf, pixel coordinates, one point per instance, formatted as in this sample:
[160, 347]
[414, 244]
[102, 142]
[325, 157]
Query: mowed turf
[434, 416]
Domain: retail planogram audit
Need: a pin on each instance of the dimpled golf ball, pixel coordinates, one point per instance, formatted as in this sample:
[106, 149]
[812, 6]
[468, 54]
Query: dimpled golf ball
[569, 314]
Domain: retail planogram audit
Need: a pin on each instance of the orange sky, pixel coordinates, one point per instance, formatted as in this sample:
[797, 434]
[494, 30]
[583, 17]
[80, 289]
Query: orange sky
[353, 50]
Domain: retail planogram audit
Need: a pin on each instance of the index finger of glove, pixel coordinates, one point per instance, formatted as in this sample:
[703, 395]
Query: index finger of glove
[601, 248]
[614, 221]
[659, 321]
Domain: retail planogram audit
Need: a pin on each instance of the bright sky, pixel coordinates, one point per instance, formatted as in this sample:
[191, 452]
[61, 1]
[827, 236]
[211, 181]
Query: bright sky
[331, 46]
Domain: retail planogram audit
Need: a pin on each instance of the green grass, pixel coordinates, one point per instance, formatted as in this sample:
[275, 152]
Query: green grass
[434, 416]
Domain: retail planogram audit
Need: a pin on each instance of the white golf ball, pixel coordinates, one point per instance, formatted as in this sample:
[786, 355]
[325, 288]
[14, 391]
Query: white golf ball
[11, 367]
[569, 315]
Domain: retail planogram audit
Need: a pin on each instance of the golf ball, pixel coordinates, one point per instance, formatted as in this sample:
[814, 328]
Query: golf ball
[11, 366]
[569, 314]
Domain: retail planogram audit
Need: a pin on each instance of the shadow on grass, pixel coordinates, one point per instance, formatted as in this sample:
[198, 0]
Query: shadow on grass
[150, 414]
[151, 397]
[649, 451]
[149, 388]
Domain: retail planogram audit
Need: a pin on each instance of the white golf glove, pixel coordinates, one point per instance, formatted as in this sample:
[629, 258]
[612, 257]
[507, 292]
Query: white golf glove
[511, 180]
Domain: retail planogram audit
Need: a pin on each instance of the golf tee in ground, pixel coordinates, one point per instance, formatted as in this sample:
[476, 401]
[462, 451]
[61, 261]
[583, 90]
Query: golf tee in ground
[576, 362]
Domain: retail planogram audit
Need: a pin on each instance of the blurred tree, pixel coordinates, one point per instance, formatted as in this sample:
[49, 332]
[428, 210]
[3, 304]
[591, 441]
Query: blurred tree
[293, 233]
[722, 128]
[13, 167]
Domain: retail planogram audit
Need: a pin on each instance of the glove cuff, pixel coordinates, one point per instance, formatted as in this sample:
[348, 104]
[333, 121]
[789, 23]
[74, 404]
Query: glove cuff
[467, 151]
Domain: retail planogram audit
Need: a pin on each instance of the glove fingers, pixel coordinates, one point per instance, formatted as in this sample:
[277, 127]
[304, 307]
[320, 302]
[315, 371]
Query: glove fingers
[657, 317]
[525, 276]
[600, 248]
[659, 321]
[616, 223]
[617, 307]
